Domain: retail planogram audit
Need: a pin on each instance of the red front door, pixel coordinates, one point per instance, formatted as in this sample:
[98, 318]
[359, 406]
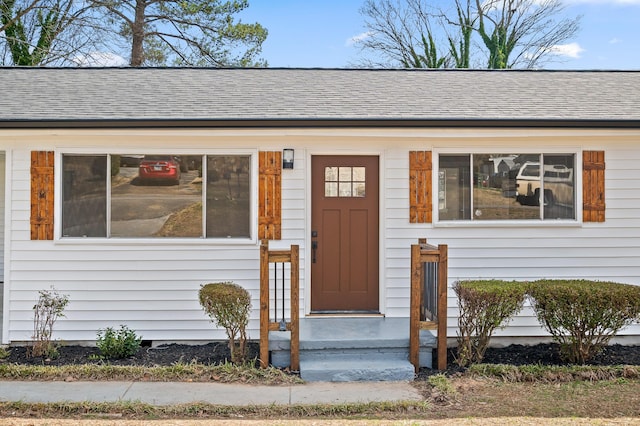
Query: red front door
[344, 234]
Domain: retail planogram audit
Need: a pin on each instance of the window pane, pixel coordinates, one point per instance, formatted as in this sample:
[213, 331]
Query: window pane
[228, 196]
[359, 174]
[331, 189]
[344, 174]
[359, 189]
[331, 174]
[454, 196]
[494, 188]
[84, 195]
[345, 189]
[528, 181]
[156, 196]
[559, 184]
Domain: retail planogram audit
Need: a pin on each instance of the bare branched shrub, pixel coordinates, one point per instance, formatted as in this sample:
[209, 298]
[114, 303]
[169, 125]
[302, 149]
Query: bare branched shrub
[229, 306]
[49, 307]
[485, 305]
[582, 316]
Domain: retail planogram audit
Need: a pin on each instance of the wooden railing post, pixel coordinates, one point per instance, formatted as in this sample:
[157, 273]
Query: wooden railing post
[295, 309]
[422, 253]
[292, 257]
[414, 317]
[442, 306]
[264, 304]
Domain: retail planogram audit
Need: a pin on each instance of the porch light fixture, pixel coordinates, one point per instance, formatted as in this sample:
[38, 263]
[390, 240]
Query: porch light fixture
[287, 158]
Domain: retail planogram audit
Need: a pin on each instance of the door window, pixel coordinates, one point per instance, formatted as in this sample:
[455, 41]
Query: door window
[344, 181]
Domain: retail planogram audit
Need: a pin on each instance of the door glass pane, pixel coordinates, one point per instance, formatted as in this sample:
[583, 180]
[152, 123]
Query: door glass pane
[358, 189]
[331, 174]
[345, 189]
[331, 189]
[84, 195]
[344, 174]
[359, 174]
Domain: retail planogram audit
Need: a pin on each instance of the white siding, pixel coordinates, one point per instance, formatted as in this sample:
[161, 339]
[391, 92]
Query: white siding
[152, 286]
[598, 251]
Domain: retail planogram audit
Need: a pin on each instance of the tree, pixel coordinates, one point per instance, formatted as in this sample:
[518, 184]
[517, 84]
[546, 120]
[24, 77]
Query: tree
[178, 32]
[470, 34]
[10, 20]
[521, 32]
[46, 32]
[400, 33]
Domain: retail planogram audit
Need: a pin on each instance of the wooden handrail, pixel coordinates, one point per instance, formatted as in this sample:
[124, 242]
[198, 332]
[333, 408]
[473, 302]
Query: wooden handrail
[420, 254]
[279, 256]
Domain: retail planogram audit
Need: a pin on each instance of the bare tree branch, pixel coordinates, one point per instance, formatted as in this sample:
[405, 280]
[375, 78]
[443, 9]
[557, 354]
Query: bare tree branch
[485, 33]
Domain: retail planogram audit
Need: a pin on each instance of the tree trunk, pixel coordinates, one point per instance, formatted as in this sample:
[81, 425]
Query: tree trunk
[137, 40]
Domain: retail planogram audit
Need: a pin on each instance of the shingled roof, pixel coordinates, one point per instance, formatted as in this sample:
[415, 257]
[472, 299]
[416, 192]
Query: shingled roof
[267, 96]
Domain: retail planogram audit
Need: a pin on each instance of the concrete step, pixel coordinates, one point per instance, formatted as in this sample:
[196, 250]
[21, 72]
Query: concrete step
[355, 370]
[353, 349]
[363, 353]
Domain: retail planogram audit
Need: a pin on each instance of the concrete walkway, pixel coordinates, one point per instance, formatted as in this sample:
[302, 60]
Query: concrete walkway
[170, 393]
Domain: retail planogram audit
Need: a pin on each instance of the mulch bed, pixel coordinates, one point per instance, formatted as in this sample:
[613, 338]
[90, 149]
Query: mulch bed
[218, 352]
[163, 355]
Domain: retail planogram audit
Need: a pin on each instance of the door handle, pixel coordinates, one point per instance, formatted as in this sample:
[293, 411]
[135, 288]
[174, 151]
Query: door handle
[314, 249]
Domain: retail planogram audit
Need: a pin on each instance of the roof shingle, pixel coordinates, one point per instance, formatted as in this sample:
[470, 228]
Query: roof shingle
[112, 94]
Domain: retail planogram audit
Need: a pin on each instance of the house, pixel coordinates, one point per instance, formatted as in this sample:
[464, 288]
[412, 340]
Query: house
[380, 158]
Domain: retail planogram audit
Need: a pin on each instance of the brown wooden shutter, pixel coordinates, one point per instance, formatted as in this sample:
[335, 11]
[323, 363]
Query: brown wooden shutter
[593, 208]
[420, 187]
[269, 195]
[42, 195]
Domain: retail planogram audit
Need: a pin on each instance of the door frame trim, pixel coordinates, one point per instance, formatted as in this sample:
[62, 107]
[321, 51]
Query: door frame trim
[382, 306]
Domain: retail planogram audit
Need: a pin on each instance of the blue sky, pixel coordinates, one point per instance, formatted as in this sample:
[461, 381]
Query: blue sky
[319, 33]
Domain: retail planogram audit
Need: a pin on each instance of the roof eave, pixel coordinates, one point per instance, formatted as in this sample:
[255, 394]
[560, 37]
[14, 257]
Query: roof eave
[316, 123]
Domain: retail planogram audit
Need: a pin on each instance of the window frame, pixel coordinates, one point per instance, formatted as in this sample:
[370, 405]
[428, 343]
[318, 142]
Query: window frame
[253, 203]
[541, 149]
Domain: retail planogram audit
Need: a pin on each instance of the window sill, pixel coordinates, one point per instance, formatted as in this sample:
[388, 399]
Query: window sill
[509, 224]
[160, 242]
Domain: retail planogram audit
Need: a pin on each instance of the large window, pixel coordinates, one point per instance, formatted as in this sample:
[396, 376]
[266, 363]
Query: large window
[156, 196]
[483, 187]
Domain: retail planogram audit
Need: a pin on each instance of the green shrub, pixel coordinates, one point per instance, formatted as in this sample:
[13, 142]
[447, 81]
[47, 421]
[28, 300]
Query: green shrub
[49, 307]
[582, 316]
[229, 306]
[118, 344]
[485, 305]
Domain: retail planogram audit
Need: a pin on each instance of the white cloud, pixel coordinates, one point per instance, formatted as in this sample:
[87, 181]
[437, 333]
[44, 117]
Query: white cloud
[100, 59]
[572, 50]
[615, 40]
[357, 38]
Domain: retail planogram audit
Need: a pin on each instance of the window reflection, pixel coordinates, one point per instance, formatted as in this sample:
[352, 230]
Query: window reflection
[494, 187]
[84, 195]
[228, 196]
[156, 196]
[506, 186]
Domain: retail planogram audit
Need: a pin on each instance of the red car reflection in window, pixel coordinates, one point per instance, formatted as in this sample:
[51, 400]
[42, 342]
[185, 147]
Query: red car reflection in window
[159, 168]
